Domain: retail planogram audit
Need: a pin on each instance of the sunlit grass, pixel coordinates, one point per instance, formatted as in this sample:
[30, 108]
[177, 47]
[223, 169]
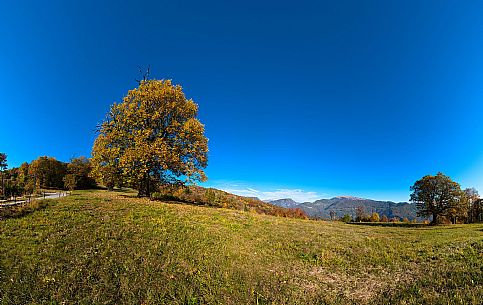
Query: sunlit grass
[110, 248]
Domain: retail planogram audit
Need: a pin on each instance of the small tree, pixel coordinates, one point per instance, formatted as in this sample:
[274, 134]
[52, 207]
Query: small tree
[70, 182]
[478, 210]
[472, 200]
[81, 169]
[360, 213]
[47, 172]
[374, 217]
[384, 218]
[3, 167]
[346, 218]
[23, 176]
[12, 188]
[436, 196]
[332, 215]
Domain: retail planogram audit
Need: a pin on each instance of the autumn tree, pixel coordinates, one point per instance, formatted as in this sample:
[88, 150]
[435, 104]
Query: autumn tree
[477, 211]
[472, 200]
[152, 136]
[12, 188]
[23, 176]
[3, 167]
[70, 182]
[437, 196]
[346, 218]
[80, 168]
[375, 217]
[105, 160]
[47, 172]
[361, 213]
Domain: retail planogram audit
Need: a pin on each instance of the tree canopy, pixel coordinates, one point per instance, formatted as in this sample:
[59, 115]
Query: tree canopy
[3, 166]
[152, 136]
[47, 172]
[437, 196]
[3, 161]
[80, 169]
[473, 206]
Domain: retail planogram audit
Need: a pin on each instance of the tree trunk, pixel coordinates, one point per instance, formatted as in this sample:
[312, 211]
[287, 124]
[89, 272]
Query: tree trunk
[435, 217]
[144, 187]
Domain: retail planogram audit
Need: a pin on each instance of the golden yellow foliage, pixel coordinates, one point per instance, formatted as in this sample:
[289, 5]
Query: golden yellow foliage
[152, 136]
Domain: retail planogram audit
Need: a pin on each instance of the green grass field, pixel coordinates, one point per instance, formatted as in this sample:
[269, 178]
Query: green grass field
[99, 247]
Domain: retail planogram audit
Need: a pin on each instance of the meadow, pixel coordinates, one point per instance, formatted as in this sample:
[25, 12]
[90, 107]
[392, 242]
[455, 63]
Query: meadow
[100, 247]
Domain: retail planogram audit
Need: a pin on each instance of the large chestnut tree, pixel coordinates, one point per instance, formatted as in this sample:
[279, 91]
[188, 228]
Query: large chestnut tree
[153, 136]
[438, 196]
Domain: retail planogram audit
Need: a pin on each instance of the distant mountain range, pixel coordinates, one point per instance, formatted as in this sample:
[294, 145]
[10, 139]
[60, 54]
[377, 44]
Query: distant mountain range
[285, 203]
[347, 205]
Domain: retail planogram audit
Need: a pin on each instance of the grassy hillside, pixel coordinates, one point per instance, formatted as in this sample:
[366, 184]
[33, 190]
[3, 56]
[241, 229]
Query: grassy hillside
[109, 248]
[220, 199]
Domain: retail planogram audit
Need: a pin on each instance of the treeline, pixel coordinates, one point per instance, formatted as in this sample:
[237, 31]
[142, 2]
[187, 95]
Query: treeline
[362, 216]
[44, 173]
[438, 198]
[442, 200]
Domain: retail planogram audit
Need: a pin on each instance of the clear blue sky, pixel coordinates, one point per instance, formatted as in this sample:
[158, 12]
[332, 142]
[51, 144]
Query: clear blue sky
[302, 99]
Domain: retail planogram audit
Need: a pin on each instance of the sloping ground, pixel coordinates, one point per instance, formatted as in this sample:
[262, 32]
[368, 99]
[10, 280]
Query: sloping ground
[221, 199]
[108, 248]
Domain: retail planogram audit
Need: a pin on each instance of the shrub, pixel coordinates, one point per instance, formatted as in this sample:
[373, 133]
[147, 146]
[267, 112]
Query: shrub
[374, 217]
[163, 197]
[346, 218]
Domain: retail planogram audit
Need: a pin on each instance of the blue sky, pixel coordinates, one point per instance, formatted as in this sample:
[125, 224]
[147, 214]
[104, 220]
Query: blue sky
[300, 99]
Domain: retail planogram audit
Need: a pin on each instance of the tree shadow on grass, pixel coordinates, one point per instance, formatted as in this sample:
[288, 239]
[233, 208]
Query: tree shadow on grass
[175, 200]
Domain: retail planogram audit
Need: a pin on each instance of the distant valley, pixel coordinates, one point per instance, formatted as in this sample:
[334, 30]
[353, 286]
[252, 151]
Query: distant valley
[342, 205]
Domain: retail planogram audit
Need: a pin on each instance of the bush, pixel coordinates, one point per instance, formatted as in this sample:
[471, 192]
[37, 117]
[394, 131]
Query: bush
[346, 218]
[163, 197]
[374, 217]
